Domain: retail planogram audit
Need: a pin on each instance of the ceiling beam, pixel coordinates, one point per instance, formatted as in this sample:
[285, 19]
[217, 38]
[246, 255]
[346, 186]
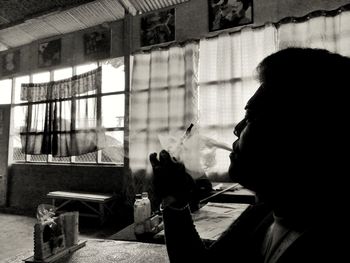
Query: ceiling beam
[3, 46]
[129, 7]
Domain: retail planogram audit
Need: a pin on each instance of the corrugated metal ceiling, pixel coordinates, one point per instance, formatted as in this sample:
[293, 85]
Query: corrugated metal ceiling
[64, 20]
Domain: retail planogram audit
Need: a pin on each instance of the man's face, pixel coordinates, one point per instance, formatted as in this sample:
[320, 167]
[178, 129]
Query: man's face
[250, 152]
[240, 156]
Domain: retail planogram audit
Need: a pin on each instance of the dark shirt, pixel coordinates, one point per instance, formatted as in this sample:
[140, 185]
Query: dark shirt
[244, 239]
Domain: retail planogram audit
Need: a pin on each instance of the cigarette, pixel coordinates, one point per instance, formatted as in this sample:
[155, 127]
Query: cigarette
[223, 146]
[220, 145]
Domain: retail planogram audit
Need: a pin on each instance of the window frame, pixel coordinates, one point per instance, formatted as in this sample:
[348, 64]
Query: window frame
[49, 159]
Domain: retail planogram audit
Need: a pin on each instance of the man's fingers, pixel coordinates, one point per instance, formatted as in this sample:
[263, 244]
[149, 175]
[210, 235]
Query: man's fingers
[153, 159]
[165, 158]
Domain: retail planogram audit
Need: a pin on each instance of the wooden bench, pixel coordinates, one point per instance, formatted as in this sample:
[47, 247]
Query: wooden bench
[104, 202]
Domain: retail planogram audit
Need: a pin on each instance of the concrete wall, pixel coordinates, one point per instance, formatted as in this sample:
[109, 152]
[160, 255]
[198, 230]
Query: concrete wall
[72, 49]
[192, 17]
[191, 23]
[28, 184]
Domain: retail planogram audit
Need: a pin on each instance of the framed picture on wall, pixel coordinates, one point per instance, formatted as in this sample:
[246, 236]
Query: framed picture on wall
[225, 14]
[158, 27]
[49, 53]
[10, 63]
[97, 44]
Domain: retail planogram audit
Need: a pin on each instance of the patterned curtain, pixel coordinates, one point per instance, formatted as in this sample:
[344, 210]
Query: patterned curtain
[61, 118]
[163, 98]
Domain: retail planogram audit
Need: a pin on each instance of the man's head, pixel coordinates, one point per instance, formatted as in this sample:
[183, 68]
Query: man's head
[291, 140]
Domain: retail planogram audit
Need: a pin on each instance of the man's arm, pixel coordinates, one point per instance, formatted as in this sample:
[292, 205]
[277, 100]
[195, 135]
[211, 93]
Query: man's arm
[182, 240]
[240, 242]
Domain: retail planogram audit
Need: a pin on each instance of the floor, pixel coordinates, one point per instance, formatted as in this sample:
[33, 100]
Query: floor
[16, 233]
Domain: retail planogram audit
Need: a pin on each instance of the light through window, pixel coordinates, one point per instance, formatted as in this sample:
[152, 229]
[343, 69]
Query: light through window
[106, 111]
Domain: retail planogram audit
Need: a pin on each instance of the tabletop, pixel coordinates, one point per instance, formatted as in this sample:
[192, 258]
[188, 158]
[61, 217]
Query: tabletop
[104, 251]
[211, 221]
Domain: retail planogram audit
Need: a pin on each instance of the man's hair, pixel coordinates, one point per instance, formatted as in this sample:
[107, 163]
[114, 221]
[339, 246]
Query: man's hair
[302, 76]
[304, 62]
[303, 107]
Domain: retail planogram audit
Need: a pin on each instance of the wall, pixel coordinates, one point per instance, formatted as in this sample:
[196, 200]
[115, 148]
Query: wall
[192, 17]
[28, 184]
[191, 23]
[72, 49]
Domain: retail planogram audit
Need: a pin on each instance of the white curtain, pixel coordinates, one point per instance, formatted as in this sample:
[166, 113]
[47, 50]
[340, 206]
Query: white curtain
[163, 98]
[324, 31]
[227, 80]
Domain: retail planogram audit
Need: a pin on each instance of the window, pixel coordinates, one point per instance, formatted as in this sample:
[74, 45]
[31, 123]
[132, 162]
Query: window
[227, 79]
[5, 89]
[107, 109]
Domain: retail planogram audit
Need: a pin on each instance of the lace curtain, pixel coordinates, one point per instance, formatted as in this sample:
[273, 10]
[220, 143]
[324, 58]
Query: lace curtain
[61, 118]
[163, 98]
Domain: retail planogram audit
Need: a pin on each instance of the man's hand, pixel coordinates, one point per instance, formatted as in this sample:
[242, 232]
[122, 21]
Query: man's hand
[171, 182]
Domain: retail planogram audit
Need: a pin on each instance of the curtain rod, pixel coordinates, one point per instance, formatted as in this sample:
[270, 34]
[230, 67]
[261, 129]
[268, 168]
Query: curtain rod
[313, 14]
[165, 46]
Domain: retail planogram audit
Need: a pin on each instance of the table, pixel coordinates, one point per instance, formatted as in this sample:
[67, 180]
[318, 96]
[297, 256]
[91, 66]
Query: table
[238, 194]
[104, 202]
[104, 251]
[210, 221]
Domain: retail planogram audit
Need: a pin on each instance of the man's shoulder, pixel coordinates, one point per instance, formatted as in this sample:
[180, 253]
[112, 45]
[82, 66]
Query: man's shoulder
[255, 218]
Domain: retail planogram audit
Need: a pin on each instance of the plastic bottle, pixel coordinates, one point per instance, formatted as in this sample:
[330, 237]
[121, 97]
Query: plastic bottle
[147, 204]
[139, 215]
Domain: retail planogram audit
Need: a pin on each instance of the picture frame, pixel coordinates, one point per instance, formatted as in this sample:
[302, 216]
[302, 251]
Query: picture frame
[11, 63]
[49, 53]
[158, 27]
[224, 14]
[97, 44]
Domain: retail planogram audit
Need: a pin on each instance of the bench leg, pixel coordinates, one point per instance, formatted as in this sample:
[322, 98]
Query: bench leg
[102, 213]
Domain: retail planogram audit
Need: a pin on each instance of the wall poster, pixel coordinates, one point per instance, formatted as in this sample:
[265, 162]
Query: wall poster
[49, 53]
[97, 44]
[11, 62]
[158, 27]
[225, 14]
